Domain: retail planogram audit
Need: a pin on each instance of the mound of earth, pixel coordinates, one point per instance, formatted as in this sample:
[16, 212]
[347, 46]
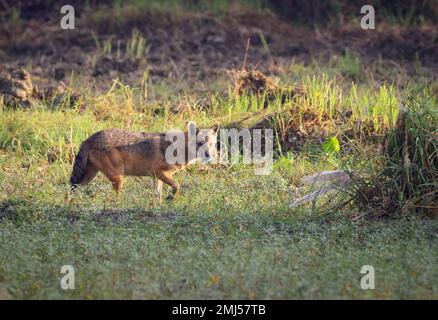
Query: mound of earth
[18, 92]
[16, 88]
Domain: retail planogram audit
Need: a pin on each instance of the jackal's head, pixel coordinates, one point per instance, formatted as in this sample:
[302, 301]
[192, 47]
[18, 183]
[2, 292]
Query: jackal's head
[206, 141]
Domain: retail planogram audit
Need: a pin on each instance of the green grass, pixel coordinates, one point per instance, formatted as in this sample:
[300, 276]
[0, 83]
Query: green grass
[231, 235]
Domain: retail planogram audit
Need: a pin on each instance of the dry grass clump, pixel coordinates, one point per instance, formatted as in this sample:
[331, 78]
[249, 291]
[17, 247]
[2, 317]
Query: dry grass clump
[255, 83]
[252, 82]
[295, 127]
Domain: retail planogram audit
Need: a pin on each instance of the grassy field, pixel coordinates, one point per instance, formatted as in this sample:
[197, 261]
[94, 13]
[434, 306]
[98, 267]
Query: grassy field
[232, 234]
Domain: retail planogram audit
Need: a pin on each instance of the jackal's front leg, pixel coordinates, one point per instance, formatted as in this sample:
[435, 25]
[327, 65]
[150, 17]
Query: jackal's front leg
[158, 188]
[117, 182]
[167, 179]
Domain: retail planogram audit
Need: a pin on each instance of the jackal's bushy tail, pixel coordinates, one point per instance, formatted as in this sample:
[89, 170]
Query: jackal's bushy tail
[79, 166]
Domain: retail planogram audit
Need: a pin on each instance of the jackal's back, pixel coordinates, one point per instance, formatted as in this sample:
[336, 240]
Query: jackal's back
[117, 138]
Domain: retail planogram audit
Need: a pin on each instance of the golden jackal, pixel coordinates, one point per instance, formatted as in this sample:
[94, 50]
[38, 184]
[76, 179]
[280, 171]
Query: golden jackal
[118, 153]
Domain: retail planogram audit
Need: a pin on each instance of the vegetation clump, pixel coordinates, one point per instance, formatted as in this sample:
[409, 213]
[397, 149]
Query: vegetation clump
[408, 179]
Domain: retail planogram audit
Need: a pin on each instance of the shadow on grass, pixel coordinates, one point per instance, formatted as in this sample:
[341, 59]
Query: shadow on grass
[25, 211]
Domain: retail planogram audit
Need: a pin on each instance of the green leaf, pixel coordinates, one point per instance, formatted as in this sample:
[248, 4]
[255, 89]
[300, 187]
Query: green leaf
[331, 146]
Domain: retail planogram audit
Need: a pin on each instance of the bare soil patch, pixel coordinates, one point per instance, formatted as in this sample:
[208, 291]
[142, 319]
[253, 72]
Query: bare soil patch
[193, 48]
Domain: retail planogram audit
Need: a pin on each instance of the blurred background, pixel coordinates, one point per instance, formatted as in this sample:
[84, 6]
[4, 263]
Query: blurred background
[184, 42]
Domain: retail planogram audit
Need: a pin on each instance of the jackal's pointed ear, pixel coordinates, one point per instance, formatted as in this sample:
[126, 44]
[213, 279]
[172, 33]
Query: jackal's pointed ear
[214, 129]
[192, 129]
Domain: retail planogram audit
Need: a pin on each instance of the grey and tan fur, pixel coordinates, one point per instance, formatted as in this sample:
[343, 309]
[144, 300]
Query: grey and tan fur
[118, 153]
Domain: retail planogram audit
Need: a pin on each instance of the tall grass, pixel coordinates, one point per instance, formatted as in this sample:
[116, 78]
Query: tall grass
[138, 108]
[40, 132]
[135, 47]
[412, 153]
[405, 178]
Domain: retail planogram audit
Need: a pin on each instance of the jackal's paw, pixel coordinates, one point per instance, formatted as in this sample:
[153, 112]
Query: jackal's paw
[172, 197]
